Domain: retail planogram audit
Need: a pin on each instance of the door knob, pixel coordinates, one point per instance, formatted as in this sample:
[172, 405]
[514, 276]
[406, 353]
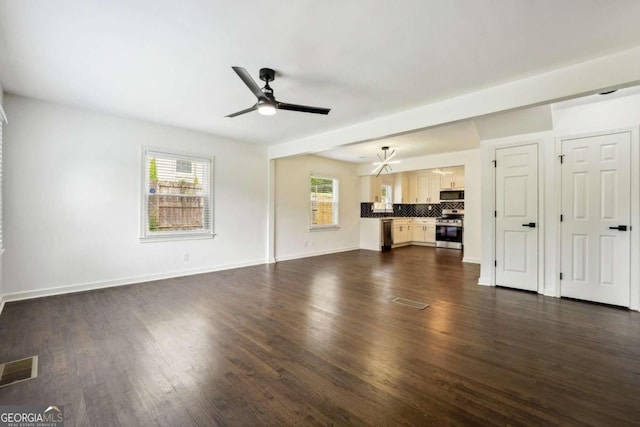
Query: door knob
[531, 224]
[620, 228]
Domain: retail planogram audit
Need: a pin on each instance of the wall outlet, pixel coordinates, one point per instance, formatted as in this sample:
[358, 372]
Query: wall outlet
[429, 207]
[186, 256]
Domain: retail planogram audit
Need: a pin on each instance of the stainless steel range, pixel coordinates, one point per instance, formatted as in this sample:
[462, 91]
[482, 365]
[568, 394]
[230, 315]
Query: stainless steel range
[449, 229]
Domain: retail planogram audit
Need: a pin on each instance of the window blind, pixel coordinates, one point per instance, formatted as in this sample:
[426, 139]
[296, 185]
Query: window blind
[178, 195]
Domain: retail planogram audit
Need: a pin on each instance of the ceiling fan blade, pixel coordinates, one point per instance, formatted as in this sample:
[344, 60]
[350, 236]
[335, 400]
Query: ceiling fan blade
[251, 84]
[375, 170]
[248, 110]
[303, 108]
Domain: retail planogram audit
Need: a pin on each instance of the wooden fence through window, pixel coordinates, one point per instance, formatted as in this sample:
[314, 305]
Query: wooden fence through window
[176, 206]
[321, 209]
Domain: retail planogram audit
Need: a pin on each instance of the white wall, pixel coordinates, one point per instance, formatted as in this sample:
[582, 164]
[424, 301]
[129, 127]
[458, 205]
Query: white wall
[293, 239]
[72, 201]
[1, 250]
[598, 116]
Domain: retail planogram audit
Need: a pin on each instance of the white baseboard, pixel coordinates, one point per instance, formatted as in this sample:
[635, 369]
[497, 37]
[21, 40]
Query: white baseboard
[38, 293]
[484, 281]
[310, 254]
[471, 260]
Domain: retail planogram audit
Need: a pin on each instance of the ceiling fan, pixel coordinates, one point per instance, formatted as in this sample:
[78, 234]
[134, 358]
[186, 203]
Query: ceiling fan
[383, 164]
[267, 103]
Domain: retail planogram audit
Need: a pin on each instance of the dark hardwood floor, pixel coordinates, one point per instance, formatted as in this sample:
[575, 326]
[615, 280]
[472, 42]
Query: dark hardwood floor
[316, 342]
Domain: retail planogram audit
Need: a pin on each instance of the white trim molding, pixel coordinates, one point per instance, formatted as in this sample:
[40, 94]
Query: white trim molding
[81, 287]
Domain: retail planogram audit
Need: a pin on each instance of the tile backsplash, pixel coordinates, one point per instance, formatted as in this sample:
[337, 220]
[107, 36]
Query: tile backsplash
[452, 205]
[433, 210]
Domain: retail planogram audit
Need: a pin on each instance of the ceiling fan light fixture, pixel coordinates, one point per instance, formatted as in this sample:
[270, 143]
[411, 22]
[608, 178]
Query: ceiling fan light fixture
[266, 108]
[267, 103]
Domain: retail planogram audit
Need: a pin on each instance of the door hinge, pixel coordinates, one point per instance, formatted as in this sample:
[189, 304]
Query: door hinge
[495, 214]
[561, 157]
[495, 163]
[561, 218]
[560, 276]
[495, 263]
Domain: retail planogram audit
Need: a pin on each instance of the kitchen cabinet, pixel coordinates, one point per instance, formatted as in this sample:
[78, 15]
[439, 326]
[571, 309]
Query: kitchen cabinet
[402, 231]
[413, 189]
[424, 230]
[424, 188]
[401, 188]
[455, 179]
[374, 189]
[433, 189]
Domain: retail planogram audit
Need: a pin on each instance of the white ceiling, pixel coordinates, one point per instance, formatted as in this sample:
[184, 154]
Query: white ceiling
[170, 62]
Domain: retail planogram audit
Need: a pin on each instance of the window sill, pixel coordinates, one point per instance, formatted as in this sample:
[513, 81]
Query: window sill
[325, 228]
[176, 237]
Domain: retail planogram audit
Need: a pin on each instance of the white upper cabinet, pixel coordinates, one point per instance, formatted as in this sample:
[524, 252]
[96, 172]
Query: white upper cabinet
[454, 179]
[421, 186]
[401, 188]
[424, 187]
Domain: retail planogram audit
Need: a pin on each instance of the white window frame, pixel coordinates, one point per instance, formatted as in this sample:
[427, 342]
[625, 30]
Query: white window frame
[158, 236]
[335, 203]
[388, 201]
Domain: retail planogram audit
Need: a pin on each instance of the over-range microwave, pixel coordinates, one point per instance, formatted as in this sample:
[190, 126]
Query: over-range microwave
[452, 195]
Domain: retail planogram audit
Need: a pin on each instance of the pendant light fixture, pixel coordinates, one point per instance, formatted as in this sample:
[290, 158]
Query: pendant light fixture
[383, 164]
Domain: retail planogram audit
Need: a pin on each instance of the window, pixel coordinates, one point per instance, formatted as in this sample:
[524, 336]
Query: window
[385, 192]
[324, 202]
[176, 204]
[183, 166]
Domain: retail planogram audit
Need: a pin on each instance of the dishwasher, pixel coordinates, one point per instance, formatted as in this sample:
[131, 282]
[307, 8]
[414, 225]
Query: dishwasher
[386, 234]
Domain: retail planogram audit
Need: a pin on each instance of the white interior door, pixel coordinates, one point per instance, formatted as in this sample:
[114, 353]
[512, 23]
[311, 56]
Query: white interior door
[596, 209]
[517, 217]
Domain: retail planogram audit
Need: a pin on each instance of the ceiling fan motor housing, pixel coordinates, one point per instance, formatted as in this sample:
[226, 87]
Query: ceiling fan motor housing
[267, 75]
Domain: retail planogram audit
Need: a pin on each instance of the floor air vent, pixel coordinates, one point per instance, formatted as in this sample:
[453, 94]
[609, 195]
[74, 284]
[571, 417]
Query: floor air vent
[410, 303]
[18, 370]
